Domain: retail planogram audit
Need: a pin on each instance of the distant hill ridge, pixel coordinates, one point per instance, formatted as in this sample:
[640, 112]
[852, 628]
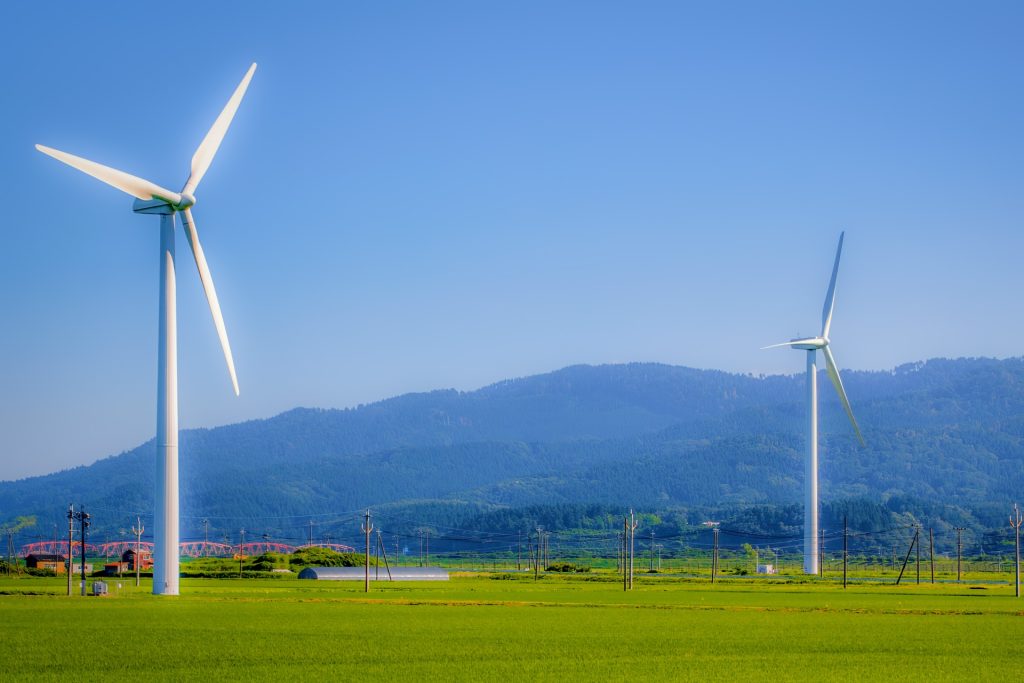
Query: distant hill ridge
[633, 434]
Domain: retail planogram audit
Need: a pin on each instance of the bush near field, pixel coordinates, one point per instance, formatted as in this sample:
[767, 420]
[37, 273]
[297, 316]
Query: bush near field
[568, 567]
[270, 565]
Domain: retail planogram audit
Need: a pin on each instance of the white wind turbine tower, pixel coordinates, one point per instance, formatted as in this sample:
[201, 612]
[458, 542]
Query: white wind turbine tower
[812, 345]
[153, 199]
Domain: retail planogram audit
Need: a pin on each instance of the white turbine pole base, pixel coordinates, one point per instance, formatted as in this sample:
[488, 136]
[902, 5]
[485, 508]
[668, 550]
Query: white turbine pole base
[811, 468]
[165, 547]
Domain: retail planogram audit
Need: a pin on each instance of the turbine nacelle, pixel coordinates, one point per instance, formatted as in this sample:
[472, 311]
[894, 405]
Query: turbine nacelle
[809, 344]
[163, 206]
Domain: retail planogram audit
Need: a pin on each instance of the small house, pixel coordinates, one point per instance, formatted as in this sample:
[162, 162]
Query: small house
[53, 563]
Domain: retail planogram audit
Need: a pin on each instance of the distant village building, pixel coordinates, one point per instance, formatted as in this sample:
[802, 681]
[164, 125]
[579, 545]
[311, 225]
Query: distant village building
[53, 563]
[146, 560]
[766, 569]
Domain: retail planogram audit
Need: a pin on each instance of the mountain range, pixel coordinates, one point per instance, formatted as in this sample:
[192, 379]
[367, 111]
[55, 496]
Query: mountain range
[944, 435]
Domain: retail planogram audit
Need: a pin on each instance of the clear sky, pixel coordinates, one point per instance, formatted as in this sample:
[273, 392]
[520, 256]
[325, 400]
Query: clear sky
[426, 195]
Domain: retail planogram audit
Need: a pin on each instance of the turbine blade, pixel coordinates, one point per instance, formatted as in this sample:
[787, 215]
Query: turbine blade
[211, 293]
[211, 143]
[830, 296]
[833, 374]
[126, 182]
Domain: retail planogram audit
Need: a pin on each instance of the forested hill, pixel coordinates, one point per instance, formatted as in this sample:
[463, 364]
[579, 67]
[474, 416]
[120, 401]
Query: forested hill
[638, 434]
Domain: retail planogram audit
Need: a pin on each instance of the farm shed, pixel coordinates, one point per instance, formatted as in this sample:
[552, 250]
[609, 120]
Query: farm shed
[55, 563]
[359, 573]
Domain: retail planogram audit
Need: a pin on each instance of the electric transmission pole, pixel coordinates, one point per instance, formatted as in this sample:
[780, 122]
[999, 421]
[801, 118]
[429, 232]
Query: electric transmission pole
[931, 551]
[907, 558]
[367, 528]
[959, 551]
[652, 550]
[311, 532]
[138, 543]
[71, 545]
[625, 539]
[376, 556]
[845, 550]
[714, 557]
[83, 518]
[917, 535]
[821, 555]
[206, 533]
[633, 534]
[241, 553]
[1015, 521]
[537, 555]
[384, 551]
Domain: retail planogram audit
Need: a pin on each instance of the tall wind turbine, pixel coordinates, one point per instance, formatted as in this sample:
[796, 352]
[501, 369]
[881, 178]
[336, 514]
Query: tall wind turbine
[812, 345]
[153, 199]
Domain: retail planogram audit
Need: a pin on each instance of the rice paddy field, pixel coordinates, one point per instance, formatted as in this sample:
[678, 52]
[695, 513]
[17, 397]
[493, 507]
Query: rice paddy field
[475, 627]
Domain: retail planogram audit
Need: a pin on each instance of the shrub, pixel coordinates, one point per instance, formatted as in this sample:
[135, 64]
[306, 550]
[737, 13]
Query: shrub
[568, 567]
[325, 557]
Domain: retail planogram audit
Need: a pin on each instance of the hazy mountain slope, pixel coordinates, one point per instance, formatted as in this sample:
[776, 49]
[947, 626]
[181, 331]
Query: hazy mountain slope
[637, 434]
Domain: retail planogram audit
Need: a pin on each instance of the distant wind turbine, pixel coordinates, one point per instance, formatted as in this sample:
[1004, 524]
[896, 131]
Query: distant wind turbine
[153, 199]
[812, 345]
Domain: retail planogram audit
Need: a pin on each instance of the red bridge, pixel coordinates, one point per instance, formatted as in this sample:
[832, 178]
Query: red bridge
[186, 548]
[56, 548]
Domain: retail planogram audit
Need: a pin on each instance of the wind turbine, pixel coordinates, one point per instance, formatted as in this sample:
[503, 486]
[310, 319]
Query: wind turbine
[812, 345]
[153, 199]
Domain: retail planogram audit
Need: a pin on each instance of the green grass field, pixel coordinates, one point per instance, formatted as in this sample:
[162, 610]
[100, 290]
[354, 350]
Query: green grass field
[475, 628]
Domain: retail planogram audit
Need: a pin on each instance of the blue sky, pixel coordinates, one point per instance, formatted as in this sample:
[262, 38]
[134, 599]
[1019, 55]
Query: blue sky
[426, 195]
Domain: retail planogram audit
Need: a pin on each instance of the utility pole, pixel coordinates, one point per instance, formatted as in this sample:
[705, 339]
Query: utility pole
[632, 545]
[206, 532]
[537, 555]
[83, 518]
[384, 551]
[419, 533]
[71, 545]
[137, 530]
[625, 538]
[821, 555]
[845, 550]
[714, 557]
[241, 553]
[931, 550]
[519, 550]
[652, 550]
[311, 532]
[377, 558]
[960, 550]
[428, 547]
[907, 558]
[916, 535]
[1015, 521]
[367, 528]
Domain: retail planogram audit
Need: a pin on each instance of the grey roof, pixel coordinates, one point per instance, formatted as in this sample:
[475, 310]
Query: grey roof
[359, 574]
